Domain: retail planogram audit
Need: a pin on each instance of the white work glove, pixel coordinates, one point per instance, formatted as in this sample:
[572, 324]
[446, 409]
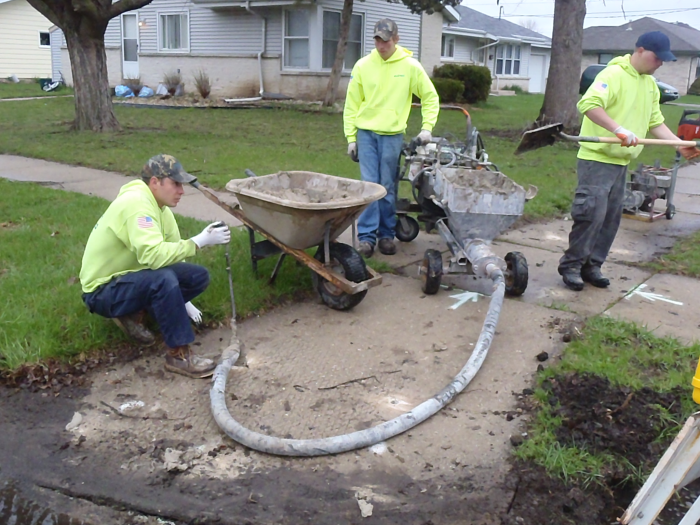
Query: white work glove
[425, 136]
[352, 151]
[628, 138]
[193, 312]
[215, 233]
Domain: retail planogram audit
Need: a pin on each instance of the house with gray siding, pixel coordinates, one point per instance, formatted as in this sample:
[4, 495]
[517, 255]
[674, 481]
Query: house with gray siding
[246, 47]
[516, 56]
[602, 43]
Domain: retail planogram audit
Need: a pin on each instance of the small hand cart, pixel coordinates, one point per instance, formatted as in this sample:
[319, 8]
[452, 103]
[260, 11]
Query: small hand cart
[296, 210]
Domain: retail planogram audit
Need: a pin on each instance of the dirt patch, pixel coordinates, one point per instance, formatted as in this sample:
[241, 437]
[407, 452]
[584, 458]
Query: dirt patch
[598, 417]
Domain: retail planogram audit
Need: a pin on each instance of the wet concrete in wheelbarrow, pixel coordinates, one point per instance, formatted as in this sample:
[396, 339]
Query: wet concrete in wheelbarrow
[145, 447]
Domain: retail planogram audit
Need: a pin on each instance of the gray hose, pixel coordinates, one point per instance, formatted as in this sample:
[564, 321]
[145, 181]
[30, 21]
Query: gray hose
[362, 438]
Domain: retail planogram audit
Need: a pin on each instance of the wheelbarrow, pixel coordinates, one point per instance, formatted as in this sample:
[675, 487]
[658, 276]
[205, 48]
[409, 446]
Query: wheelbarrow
[297, 210]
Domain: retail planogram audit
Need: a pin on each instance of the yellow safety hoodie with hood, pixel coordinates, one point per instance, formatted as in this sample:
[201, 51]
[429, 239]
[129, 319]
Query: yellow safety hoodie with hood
[133, 234]
[630, 99]
[380, 93]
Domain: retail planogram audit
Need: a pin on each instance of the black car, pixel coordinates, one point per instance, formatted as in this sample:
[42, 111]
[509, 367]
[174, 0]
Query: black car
[668, 93]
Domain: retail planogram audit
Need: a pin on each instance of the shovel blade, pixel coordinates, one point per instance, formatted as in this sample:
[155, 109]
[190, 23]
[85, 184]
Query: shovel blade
[539, 137]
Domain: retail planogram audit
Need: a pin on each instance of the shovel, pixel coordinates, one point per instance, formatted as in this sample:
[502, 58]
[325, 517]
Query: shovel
[547, 135]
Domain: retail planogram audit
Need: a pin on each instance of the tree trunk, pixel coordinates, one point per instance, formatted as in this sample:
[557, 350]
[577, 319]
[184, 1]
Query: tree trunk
[334, 80]
[93, 103]
[561, 92]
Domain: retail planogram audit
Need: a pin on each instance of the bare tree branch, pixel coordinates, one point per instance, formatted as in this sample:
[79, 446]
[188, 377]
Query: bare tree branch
[123, 6]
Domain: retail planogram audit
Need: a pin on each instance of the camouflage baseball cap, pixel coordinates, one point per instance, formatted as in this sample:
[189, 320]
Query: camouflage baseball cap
[162, 166]
[386, 29]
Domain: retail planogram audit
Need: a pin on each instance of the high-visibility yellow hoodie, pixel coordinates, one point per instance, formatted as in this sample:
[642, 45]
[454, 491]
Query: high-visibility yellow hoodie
[133, 234]
[380, 93]
[630, 99]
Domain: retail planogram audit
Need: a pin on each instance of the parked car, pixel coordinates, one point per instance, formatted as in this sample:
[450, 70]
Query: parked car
[668, 93]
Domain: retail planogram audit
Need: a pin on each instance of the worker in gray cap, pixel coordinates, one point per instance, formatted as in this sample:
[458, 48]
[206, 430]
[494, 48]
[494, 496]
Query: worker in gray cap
[377, 106]
[622, 102]
[134, 263]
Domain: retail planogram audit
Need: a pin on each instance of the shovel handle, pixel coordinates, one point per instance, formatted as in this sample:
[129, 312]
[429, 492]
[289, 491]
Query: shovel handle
[649, 142]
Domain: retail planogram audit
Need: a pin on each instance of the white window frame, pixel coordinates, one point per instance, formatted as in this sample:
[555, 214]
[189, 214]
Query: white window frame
[601, 57]
[286, 38]
[506, 55]
[445, 43]
[159, 23]
[361, 41]
[44, 46]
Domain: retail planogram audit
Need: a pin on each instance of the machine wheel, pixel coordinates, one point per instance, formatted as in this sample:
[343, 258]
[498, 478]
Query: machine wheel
[431, 272]
[407, 228]
[346, 261]
[670, 211]
[516, 274]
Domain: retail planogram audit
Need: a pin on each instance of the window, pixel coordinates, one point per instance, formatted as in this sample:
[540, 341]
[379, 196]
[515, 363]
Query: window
[508, 60]
[448, 46]
[174, 32]
[44, 39]
[604, 58]
[296, 39]
[331, 34]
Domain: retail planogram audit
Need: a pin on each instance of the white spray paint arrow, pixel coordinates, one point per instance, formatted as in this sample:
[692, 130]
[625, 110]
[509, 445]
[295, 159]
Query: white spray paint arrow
[649, 295]
[464, 297]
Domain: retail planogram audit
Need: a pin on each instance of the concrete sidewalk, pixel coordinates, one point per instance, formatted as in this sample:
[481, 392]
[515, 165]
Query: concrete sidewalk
[314, 372]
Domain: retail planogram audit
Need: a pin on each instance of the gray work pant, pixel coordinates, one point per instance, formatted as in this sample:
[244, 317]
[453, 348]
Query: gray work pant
[596, 212]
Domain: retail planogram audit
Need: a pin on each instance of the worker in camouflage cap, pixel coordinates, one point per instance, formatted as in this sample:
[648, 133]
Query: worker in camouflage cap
[386, 29]
[377, 105]
[166, 166]
[134, 263]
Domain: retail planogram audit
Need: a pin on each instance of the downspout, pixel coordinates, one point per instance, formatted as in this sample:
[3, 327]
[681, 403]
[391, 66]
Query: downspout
[260, 55]
[487, 59]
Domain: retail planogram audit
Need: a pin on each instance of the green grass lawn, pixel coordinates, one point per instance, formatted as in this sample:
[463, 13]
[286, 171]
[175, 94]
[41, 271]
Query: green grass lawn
[43, 231]
[30, 89]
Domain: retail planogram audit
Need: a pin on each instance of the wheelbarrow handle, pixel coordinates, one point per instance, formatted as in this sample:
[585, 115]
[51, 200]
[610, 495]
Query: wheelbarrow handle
[649, 142]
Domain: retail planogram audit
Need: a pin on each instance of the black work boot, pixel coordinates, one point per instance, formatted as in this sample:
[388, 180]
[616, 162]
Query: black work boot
[572, 279]
[181, 360]
[593, 275]
[132, 325]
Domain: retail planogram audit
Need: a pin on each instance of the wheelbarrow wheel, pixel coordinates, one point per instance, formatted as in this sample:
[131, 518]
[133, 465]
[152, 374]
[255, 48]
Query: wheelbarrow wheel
[407, 228]
[431, 272]
[516, 274]
[346, 261]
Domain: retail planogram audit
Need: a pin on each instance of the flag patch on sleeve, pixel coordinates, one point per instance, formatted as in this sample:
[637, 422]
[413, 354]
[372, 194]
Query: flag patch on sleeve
[145, 222]
[600, 86]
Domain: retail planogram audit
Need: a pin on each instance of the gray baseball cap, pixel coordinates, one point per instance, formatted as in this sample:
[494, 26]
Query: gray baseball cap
[386, 29]
[162, 166]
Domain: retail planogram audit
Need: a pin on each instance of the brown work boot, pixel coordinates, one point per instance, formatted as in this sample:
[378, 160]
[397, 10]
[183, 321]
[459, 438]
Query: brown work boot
[132, 325]
[181, 360]
[387, 246]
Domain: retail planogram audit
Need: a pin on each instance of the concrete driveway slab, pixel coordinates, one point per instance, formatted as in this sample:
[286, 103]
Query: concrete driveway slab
[314, 372]
[665, 304]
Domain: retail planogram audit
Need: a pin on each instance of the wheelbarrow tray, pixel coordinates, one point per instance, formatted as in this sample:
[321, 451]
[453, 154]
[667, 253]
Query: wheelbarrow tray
[296, 207]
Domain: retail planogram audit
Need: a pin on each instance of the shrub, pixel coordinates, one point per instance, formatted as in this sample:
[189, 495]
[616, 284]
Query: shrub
[134, 84]
[449, 90]
[695, 87]
[203, 84]
[171, 81]
[476, 80]
[516, 89]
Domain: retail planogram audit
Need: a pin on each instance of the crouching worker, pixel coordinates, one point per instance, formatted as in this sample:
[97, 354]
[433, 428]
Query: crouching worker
[134, 263]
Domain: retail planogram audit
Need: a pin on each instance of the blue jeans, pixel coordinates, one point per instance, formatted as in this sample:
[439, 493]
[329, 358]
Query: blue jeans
[379, 161]
[163, 293]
